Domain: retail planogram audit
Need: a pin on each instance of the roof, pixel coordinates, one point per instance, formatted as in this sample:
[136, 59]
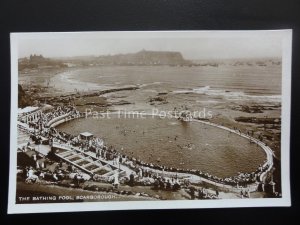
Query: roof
[86, 134]
[27, 109]
[47, 107]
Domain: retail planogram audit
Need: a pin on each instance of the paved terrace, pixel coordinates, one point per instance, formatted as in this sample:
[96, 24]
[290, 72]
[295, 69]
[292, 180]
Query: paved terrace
[88, 162]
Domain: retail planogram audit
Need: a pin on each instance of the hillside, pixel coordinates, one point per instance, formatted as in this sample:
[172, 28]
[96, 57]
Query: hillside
[38, 62]
[144, 58]
[139, 58]
[23, 98]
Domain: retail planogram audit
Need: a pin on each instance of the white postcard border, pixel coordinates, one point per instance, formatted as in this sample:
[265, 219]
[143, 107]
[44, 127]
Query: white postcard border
[14, 208]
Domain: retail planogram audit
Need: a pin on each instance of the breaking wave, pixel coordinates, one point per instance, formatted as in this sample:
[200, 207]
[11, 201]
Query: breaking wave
[229, 95]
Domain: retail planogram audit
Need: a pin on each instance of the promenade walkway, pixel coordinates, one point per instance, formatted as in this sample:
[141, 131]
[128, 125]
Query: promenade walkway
[191, 177]
[265, 148]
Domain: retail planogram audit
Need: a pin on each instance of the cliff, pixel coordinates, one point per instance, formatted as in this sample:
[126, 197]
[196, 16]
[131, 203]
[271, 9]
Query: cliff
[23, 98]
[143, 58]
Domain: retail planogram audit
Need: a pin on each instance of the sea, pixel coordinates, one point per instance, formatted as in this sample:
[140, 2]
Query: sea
[169, 142]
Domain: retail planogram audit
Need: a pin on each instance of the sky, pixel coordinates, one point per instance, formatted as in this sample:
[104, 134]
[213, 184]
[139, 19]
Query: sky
[192, 45]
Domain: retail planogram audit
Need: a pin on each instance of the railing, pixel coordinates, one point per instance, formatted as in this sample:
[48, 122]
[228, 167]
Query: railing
[251, 187]
[56, 119]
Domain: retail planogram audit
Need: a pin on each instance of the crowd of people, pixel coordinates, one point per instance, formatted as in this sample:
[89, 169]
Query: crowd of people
[144, 172]
[202, 193]
[49, 171]
[57, 112]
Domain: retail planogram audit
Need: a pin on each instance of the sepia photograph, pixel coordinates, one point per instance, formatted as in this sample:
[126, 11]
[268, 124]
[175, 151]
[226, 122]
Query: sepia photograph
[149, 120]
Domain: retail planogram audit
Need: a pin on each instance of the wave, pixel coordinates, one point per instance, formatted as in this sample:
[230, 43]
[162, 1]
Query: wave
[104, 76]
[229, 95]
[152, 83]
[201, 90]
[67, 82]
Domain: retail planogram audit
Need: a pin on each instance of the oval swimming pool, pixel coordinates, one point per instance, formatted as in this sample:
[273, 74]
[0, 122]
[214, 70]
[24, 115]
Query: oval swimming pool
[173, 143]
